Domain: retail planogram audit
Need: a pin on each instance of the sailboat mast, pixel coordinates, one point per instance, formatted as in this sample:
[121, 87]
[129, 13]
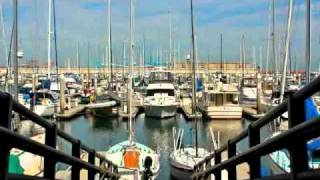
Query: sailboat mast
[193, 62]
[55, 39]
[49, 38]
[243, 56]
[274, 47]
[78, 58]
[3, 34]
[308, 41]
[194, 56]
[131, 68]
[124, 58]
[143, 54]
[170, 42]
[8, 70]
[109, 45]
[15, 48]
[221, 66]
[88, 59]
[284, 70]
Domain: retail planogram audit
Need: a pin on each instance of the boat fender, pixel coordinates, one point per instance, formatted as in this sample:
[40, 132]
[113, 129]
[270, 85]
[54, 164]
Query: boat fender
[147, 173]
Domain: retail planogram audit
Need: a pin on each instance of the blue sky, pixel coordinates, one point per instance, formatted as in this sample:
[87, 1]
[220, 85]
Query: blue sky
[85, 21]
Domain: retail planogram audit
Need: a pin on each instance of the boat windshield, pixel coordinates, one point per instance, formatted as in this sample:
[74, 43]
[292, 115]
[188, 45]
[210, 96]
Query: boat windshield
[161, 77]
[170, 92]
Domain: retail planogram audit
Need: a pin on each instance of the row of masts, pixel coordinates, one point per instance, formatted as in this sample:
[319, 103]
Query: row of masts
[52, 33]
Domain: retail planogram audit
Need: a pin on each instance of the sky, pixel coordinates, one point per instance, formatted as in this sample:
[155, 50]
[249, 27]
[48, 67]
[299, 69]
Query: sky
[84, 22]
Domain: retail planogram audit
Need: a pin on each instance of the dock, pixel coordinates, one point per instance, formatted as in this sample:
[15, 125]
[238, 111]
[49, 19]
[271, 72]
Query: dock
[125, 115]
[251, 113]
[70, 113]
[137, 106]
[186, 109]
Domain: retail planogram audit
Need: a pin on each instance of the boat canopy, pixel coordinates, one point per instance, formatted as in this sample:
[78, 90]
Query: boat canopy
[312, 112]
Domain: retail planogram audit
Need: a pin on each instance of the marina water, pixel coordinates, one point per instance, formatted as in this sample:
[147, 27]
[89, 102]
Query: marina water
[101, 133]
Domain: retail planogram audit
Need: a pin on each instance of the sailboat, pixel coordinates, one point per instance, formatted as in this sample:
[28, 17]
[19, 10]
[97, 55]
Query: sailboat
[134, 160]
[182, 160]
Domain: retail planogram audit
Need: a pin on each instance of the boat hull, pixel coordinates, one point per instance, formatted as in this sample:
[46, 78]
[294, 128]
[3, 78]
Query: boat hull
[223, 112]
[103, 112]
[44, 111]
[160, 111]
[102, 109]
[179, 173]
[183, 161]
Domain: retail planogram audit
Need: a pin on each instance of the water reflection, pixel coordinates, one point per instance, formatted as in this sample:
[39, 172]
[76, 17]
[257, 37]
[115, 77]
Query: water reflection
[102, 133]
[228, 128]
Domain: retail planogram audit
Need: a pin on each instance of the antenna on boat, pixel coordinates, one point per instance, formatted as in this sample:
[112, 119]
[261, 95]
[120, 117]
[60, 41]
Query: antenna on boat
[194, 109]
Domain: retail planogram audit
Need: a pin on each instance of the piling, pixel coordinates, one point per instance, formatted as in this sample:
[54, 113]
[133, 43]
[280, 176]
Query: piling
[62, 98]
[34, 83]
[259, 93]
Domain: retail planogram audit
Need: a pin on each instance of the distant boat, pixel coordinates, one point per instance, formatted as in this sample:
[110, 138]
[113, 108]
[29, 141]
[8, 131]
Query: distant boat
[248, 91]
[103, 107]
[160, 100]
[42, 101]
[220, 101]
[183, 160]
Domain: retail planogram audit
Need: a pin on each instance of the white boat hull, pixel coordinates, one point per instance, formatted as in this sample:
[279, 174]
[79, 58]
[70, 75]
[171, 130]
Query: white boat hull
[179, 173]
[160, 111]
[223, 112]
[183, 161]
[44, 110]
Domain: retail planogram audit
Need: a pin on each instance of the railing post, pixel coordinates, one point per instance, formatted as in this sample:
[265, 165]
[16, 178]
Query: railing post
[208, 165]
[217, 160]
[49, 163]
[254, 163]
[232, 171]
[115, 169]
[5, 121]
[103, 166]
[76, 150]
[196, 170]
[298, 150]
[91, 160]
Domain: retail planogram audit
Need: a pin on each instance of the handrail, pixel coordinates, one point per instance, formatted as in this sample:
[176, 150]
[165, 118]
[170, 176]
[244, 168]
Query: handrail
[48, 150]
[299, 130]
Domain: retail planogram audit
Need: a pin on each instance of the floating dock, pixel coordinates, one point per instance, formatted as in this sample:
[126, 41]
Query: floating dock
[70, 113]
[251, 113]
[186, 109]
